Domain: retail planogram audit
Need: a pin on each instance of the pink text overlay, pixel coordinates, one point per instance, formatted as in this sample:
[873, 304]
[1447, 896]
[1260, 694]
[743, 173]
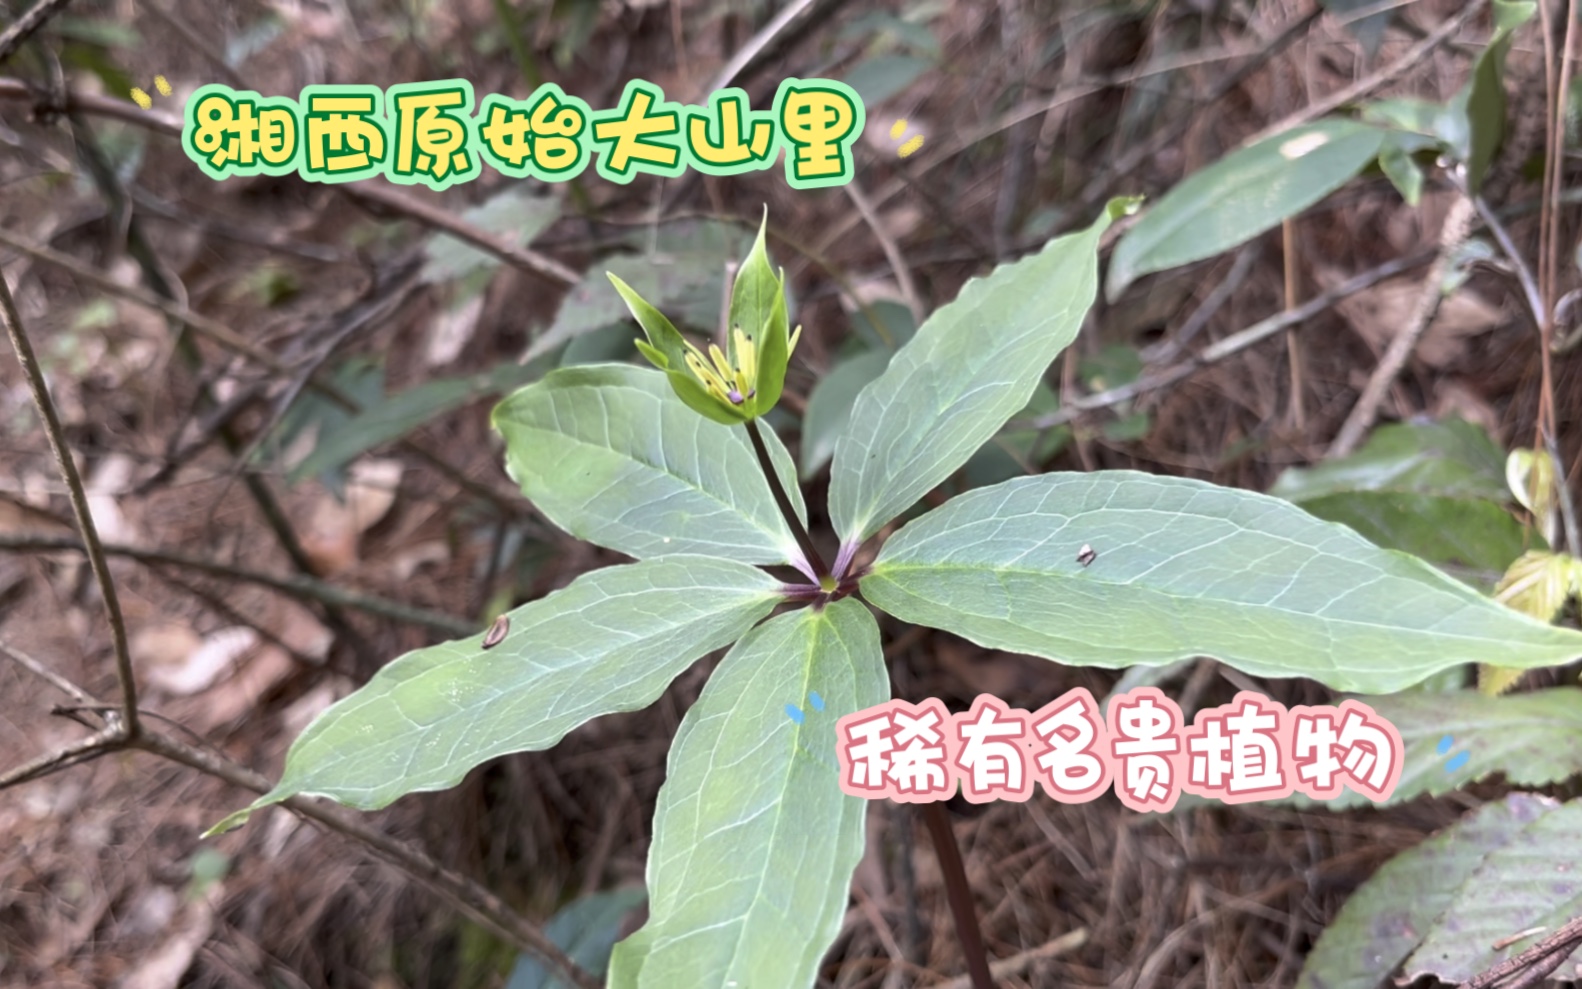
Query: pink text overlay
[1250, 749]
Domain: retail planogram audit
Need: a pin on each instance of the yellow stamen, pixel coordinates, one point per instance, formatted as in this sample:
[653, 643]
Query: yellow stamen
[746, 359]
[713, 382]
[795, 336]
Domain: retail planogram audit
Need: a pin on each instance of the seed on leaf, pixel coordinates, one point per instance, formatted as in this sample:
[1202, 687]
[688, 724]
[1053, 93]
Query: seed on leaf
[1086, 555]
[497, 632]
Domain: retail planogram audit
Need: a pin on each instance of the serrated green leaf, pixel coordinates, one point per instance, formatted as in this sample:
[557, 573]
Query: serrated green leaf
[1185, 568]
[754, 842]
[608, 453]
[612, 640]
[829, 406]
[1240, 196]
[1531, 880]
[1530, 739]
[971, 366]
[1390, 914]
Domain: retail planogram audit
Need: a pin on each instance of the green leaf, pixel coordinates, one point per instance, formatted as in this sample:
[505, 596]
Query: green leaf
[610, 455]
[1503, 868]
[884, 324]
[1185, 568]
[1390, 914]
[878, 78]
[589, 305]
[971, 366]
[1529, 881]
[1409, 114]
[829, 406]
[1397, 164]
[1482, 101]
[1018, 452]
[754, 842]
[1240, 196]
[585, 929]
[396, 416]
[1469, 537]
[1435, 490]
[1453, 458]
[1530, 739]
[612, 640]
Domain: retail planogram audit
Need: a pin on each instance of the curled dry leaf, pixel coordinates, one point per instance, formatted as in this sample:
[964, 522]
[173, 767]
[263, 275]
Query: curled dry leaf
[218, 655]
[110, 477]
[331, 537]
[1379, 313]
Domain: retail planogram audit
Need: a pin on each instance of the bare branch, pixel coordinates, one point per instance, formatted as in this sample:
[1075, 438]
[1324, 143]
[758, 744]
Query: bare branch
[46, 674]
[462, 892]
[1458, 222]
[1233, 344]
[297, 585]
[79, 503]
[1377, 80]
[25, 25]
[235, 342]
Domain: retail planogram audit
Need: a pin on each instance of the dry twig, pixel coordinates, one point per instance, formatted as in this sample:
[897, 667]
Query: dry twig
[1458, 222]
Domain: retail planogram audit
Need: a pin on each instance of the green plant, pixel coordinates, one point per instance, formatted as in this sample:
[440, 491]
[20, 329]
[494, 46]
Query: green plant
[753, 851]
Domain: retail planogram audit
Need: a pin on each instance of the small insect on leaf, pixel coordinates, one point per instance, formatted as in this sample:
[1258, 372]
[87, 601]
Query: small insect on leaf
[1086, 555]
[497, 632]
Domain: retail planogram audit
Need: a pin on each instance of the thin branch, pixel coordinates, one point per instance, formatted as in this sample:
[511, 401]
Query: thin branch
[99, 743]
[756, 44]
[231, 340]
[79, 503]
[1378, 80]
[1458, 223]
[298, 586]
[1017, 964]
[1524, 274]
[461, 892]
[932, 157]
[438, 219]
[25, 25]
[1166, 350]
[379, 196]
[196, 42]
[46, 674]
[1555, 948]
[892, 250]
[1233, 344]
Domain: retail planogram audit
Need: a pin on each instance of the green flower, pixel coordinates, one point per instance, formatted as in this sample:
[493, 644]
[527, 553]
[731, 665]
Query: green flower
[743, 381]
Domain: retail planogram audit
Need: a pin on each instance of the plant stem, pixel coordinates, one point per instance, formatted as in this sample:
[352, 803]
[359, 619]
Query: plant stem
[958, 893]
[803, 540]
